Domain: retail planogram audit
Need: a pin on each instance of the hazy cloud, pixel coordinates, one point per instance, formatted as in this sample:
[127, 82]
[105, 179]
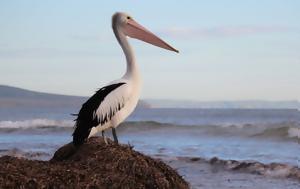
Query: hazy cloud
[91, 38]
[226, 31]
[43, 53]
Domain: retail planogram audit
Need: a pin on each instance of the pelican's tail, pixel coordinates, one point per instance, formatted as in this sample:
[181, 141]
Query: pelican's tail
[80, 133]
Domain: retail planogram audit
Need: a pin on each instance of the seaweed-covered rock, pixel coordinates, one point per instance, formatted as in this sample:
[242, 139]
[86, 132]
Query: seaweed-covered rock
[92, 165]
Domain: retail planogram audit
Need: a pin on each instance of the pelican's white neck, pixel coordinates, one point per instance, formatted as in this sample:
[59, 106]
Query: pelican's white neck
[132, 68]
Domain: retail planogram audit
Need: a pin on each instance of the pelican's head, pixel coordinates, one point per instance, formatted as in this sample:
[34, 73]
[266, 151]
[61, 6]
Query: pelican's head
[129, 27]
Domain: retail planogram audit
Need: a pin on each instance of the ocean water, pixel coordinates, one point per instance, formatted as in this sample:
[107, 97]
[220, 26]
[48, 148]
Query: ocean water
[263, 135]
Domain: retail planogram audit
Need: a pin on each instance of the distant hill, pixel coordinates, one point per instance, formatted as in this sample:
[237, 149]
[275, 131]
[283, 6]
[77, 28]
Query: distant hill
[15, 97]
[249, 104]
[11, 97]
[15, 92]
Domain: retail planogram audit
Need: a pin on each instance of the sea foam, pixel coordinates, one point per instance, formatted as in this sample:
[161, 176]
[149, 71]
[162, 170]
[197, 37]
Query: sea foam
[35, 123]
[294, 132]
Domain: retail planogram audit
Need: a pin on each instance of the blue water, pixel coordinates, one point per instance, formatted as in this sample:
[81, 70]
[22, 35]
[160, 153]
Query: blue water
[260, 135]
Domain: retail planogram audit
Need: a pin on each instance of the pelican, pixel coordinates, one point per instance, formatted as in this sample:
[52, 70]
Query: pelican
[113, 103]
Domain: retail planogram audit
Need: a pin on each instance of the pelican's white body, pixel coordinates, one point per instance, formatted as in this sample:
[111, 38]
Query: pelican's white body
[127, 94]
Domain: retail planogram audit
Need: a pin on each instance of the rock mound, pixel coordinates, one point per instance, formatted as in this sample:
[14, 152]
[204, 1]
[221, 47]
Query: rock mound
[93, 165]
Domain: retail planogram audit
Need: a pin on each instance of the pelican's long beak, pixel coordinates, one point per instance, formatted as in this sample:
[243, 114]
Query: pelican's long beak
[135, 30]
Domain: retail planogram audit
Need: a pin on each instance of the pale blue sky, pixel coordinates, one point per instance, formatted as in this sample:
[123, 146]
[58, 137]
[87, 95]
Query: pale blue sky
[229, 50]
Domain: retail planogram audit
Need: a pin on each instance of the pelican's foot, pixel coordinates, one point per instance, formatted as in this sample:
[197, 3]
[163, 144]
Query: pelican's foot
[104, 137]
[115, 135]
[105, 140]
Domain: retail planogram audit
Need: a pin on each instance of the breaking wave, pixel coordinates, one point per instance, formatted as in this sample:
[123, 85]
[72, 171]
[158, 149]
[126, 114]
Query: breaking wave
[275, 170]
[287, 132]
[277, 131]
[283, 131]
[294, 132]
[16, 152]
[279, 170]
[35, 123]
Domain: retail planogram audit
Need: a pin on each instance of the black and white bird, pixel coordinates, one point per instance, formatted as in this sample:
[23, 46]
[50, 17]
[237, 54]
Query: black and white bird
[113, 103]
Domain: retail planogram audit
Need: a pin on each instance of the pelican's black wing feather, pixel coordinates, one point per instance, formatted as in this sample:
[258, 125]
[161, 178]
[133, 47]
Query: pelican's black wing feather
[85, 119]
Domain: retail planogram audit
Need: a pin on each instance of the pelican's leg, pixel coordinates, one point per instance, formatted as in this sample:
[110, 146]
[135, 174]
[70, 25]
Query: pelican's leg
[115, 135]
[104, 137]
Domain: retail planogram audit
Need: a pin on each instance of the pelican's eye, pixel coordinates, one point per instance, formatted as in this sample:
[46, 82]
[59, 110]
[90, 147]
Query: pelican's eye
[128, 17]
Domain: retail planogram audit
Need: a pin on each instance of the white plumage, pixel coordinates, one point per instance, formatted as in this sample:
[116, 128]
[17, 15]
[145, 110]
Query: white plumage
[125, 97]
